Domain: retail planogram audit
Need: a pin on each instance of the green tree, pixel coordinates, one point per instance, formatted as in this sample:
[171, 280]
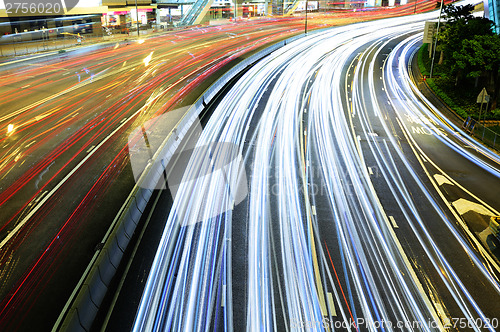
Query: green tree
[454, 13]
[461, 25]
[480, 57]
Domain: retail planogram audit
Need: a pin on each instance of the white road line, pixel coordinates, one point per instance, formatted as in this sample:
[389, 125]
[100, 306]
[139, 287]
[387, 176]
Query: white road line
[91, 148]
[393, 222]
[223, 302]
[331, 304]
[24, 87]
[313, 208]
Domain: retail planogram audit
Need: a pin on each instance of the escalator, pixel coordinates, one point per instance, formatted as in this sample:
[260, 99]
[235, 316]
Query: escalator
[196, 13]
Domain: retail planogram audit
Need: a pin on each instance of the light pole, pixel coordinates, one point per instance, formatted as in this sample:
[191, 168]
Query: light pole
[435, 41]
[306, 18]
[137, 18]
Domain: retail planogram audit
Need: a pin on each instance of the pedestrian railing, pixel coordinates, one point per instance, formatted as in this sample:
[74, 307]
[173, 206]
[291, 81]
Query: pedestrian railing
[482, 132]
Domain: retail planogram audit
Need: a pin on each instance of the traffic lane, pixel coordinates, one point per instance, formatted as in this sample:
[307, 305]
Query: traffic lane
[60, 131]
[368, 245]
[53, 249]
[46, 258]
[472, 210]
[39, 74]
[418, 246]
[93, 75]
[376, 134]
[449, 246]
[451, 163]
[43, 81]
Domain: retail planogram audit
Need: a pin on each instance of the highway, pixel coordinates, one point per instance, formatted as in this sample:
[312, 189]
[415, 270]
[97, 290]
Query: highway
[65, 171]
[65, 121]
[64, 162]
[325, 193]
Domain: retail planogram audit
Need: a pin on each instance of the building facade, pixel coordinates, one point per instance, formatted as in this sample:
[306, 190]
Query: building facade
[492, 11]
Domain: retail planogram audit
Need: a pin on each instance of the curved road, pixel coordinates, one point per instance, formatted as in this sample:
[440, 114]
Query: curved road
[325, 193]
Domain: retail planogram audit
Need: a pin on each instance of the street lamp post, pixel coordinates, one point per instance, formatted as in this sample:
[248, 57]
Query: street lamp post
[306, 18]
[137, 18]
[435, 41]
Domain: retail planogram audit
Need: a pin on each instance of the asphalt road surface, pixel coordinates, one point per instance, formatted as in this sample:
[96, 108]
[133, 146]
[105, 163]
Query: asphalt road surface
[323, 194]
[66, 119]
[64, 160]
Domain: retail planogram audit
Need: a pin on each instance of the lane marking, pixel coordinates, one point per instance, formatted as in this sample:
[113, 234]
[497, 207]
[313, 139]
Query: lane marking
[440, 179]
[313, 208]
[331, 304]
[223, 302]
[393, 222]
[91, 148]
[463, 206]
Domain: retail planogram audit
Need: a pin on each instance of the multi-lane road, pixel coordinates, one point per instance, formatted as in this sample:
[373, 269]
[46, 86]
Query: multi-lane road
[325, 193]
[65, 119]
[332, 197]
[64, 169]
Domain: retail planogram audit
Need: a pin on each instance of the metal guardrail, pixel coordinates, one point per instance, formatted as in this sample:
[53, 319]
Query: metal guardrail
[481, 132]
[487, 136]
[82, 306]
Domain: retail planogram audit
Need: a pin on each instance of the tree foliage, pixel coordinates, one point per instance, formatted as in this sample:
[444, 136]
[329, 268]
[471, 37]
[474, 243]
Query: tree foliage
[470, 47]
[479, 54]
[455, 13]
[461, 25]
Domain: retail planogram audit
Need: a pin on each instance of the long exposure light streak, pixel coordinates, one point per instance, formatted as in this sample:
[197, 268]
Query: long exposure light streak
[318, 121]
